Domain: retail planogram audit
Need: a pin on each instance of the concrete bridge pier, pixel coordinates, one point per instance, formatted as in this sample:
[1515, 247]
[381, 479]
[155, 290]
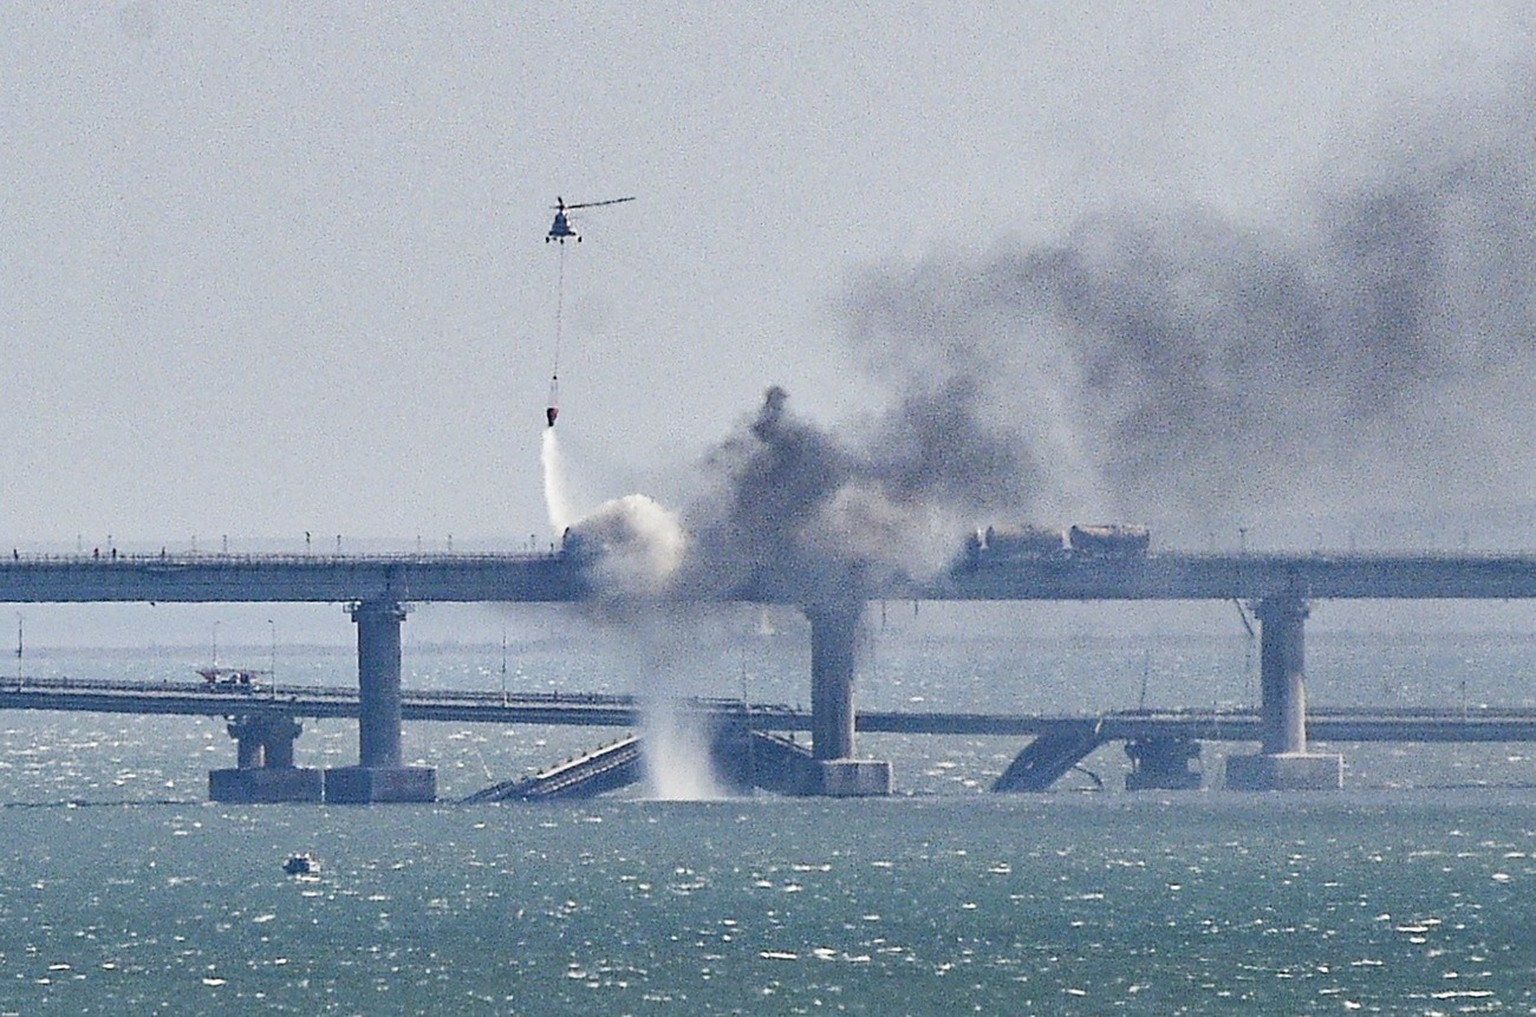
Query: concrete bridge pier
[379, 777]
[250, 742]
[277, 742]
[1283, 762]
[1161, 763]
[833, 771]
[264, 770]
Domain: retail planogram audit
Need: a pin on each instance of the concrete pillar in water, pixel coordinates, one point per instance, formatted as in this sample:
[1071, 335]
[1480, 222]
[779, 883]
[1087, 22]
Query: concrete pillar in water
[832, 770]
[378, 682]
[281, 733]
[1161, 763]
[249, 734]
[834, 647]
[1282, 661]
[379, 777]
[265, 770]
[1283, 762]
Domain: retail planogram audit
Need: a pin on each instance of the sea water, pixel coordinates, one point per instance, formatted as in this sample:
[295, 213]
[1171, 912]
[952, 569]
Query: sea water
[1409, 892]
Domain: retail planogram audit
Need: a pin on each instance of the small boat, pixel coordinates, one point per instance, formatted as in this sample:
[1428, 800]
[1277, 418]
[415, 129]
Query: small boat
[301, 864]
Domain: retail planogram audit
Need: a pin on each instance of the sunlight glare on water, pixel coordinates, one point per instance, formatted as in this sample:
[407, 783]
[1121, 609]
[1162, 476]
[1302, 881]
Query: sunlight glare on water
[1407, 893]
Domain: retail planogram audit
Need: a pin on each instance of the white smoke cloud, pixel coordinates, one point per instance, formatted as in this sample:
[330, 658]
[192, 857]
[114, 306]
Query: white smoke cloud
[630, 548]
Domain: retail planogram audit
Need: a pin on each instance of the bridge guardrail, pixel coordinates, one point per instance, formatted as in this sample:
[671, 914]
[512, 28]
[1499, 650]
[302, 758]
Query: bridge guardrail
[22, 559]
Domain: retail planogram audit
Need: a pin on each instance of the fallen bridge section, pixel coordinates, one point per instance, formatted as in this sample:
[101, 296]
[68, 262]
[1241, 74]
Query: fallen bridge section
[1051, 756]
[588, 775]
[743, 759]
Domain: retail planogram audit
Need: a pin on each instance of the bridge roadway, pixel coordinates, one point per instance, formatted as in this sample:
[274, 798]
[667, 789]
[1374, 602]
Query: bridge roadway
[514, 577]
[377, 587]
[1481, 724]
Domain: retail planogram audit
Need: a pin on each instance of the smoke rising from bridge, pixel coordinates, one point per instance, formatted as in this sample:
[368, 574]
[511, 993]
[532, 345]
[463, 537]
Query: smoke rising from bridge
[797, 512]
[1174, 367]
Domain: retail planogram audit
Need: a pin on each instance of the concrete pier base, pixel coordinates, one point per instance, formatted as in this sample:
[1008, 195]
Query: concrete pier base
[775, 763]
[1162, 764]
[1284, 762]
[833, 771]
[379, 777]
[1300, 771]
[249, 785]
[367, 785]
[846, 778]
[265, 772]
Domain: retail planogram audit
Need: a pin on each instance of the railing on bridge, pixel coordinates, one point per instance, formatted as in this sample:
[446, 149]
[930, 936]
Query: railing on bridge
[117, 556]
[1474, 723]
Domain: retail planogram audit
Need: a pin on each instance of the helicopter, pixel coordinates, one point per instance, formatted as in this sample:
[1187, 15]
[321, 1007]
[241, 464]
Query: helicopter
[561, 230]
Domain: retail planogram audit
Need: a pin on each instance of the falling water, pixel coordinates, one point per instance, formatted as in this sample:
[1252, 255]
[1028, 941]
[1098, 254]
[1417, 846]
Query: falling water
[556, 496]
[632, 548]
[677, 761]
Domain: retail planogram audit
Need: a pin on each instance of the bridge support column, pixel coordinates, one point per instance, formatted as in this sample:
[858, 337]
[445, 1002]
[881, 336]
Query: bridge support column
[278, 740]
[379, 777]
[1161, 763]
[833, 771]
[249, 734]
[264, 769]
[1283, 762]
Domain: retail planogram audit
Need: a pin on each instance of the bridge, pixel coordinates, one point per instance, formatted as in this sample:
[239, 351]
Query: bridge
[523, 578]
[583, 709]
[377, 588]
[1062, 741]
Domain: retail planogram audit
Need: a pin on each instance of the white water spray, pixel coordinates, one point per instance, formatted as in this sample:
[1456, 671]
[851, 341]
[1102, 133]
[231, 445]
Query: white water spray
[557, 503]
[629, 549]
[677, 762]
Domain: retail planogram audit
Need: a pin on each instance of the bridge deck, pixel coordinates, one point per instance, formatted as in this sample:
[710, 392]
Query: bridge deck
[1482, 724]
[209, 578]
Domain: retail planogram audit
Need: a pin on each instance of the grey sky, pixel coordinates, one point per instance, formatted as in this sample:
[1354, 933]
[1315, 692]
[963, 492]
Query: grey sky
[269, 270]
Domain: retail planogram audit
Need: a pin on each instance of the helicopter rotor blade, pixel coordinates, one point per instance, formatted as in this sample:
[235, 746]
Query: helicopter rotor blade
[598, 204]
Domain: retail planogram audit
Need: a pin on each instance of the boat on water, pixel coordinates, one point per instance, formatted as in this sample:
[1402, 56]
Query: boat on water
[301, 864]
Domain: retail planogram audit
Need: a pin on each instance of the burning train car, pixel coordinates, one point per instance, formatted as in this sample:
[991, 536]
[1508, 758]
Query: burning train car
[1045, 543]
[1027, 541]
[1118, 540]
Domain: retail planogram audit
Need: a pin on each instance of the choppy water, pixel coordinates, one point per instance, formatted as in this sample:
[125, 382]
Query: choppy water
[1070, 905]
[1409, 893]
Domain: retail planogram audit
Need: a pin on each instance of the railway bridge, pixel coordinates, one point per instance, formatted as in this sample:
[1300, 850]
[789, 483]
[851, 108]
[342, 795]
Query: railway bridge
[378, 588]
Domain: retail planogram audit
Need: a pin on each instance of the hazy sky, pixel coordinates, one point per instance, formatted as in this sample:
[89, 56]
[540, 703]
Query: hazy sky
[277, 267]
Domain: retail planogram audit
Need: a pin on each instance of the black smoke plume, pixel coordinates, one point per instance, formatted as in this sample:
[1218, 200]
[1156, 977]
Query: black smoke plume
[1177, 368]
[800, 514]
